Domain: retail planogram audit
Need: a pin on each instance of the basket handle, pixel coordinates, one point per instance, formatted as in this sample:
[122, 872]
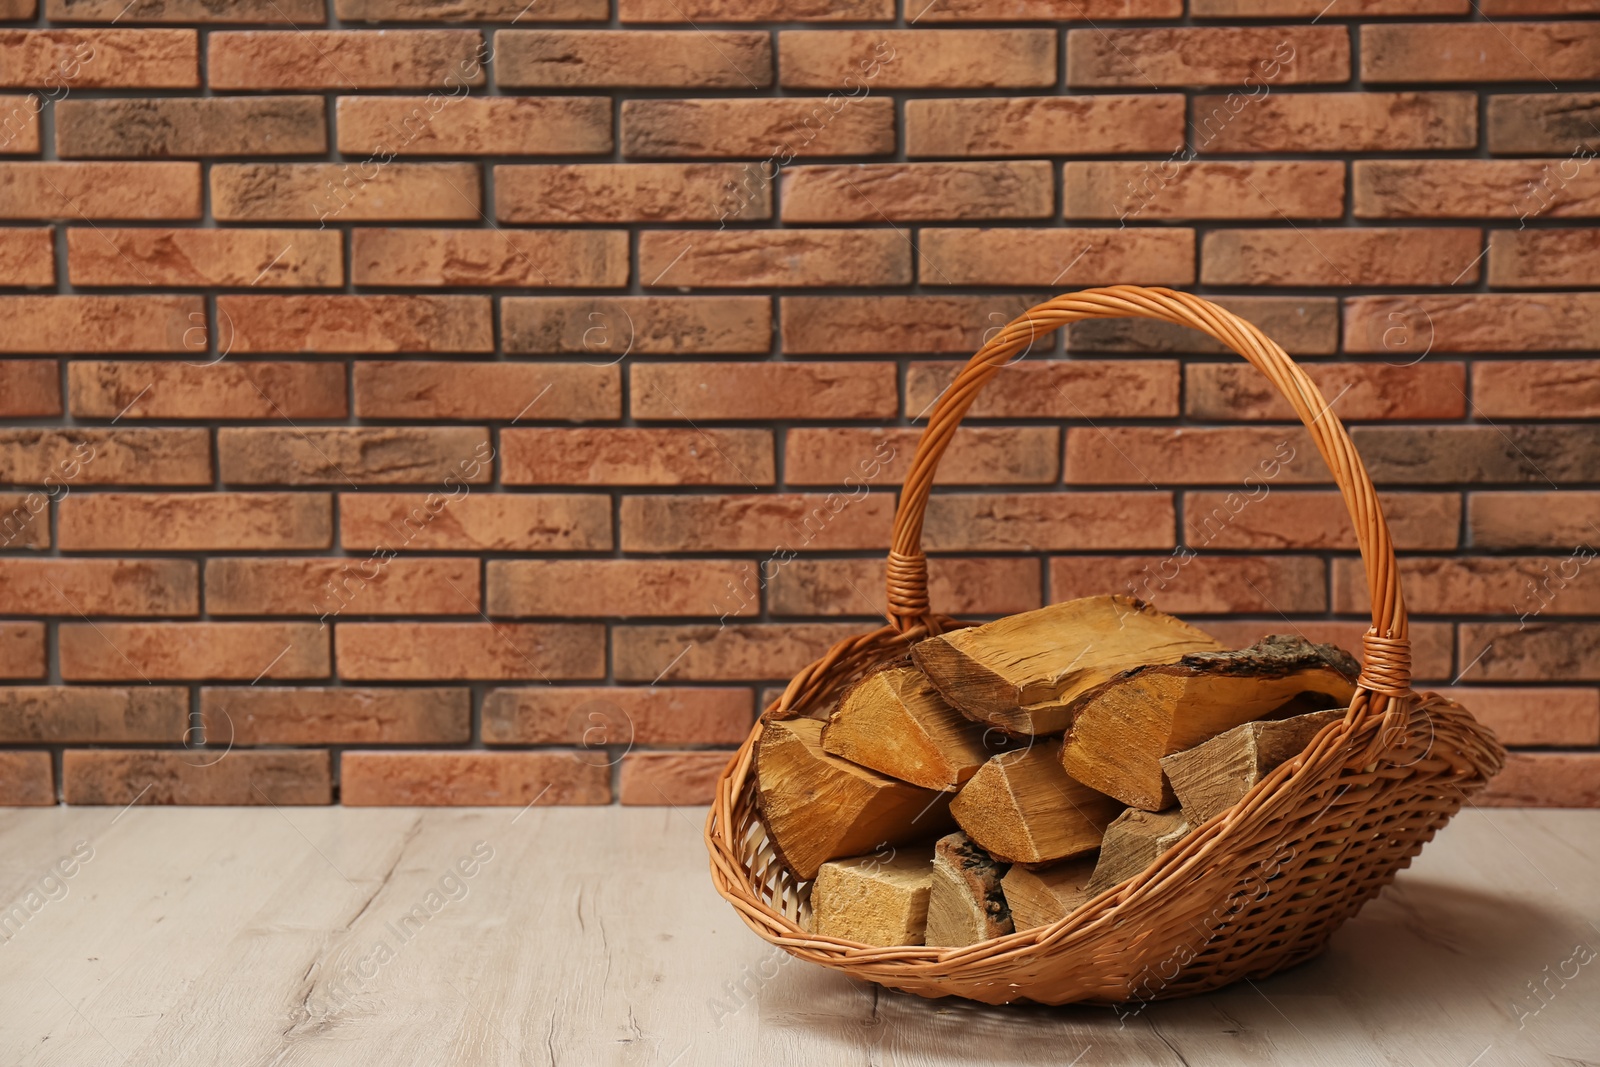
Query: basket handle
[1386, 647]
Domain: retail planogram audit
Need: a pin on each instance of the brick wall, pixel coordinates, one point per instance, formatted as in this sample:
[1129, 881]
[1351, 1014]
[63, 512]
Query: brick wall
[417, 402]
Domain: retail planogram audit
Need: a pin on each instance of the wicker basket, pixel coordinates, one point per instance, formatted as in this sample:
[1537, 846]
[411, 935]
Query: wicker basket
[1254, 890]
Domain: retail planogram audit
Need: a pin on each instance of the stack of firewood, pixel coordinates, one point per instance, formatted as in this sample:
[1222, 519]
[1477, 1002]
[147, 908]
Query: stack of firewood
[1066, 748]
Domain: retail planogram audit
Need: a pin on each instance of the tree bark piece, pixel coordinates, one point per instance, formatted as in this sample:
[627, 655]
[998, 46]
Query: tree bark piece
[881, 899]
[1132, 843]
[1040, 897]
[1213, 776]
[965, 904]
[818, 807]
[1122, 729]
[1021, 807]
[1025, 673]
[895, 722]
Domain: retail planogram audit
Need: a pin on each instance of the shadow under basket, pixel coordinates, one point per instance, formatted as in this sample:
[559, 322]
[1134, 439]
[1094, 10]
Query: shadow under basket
[1258, 888]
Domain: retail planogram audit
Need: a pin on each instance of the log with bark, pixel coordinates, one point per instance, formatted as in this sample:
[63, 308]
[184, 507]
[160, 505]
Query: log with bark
[895, 722]
[881, 899]
[1213, 776]
[1038, 897]
[1132, 843]
[965, 904]
[1021, 807]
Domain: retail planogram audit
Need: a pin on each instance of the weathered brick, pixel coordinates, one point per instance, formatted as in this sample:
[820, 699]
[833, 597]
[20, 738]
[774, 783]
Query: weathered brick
[355, 324]
[1307, 326]
[1542, 124]
[445, 60]
[86, 191]
[79, 587]
[212, 126]
[342, 586]
[1406, 327]
[1203, 190]
[1431, 642]
[956, 586]
[106, 457]
[412, 389]
[755, 10]
[174, 389]
[1529, 259]
[1058, 258]
[25, 520]
[1437, 455]
[99, 59]
[1479, 52]
[619, 588]
[1546, 780]
[978, 455]
[687, 391]
[605, 456]
[176, 651]
[632, 715]
[714, 653]
[840, 325]
[27, 257]
[30, 388]
[1336, 122]
[776, 258]
[1031, 522]
[1056, 389]
[1287, 519]
[902, 192]
[1535, 651]
[265, 259]
[1474, 188]
[471, 10]
[1352, 391]
[309, 12]
[1550, 519]
[608, 328]
[388, 455]
[306, 715]
[1524, 586]
[670, 778]
[1528, 716]
[1137, 455]
[18, 9]
[1317, 8]
[416, 651]
[322, 192]
[1537, 389]
[630, 192]
[1039, 10]
[1329, 256]
[22, 650]
[773, 130]
[58, 714]
[865, 60]
[19, 126]
[525, 258]
[1045, 125]
[127, 776]
[1516, 8]
[1204, 585]
[514, 779]
[384, 126]
[633, 59]
[99, 323]
[27, 779]
[480, 521]
[178, 522]
[1208, 55]
[775, 523]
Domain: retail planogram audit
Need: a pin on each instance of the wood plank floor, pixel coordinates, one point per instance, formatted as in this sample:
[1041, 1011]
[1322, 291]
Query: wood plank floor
[591, 936]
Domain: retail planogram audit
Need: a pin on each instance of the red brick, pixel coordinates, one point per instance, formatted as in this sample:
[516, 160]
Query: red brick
[99, 323]
[1204, 585]
[1056, 389]
[749, 391]
[471, 10]
[1208, 55]
[626, 456]
[355, 324]
[309, 12]
[1534, 716]
[1039, 10]
[1337, 8]
[176, 389]
[670, 778]
[212, 126]
[376, 127]
[1537, 389]
[956, 586]
[94, 714]
[978, 455]
[347, 455]
[1538, 7]
[1337, 122]
[25, 520]
[416, 651]
[514, 779]
[1430, 641]
[839, 325]
[692, 11]
[342, 586]
[618, 588]
[1352, 391]
[445, 60]
[1296, 519]
[716, 653]
[177, 651]
[84, 191]
[1541, 124]
[267, 259]
[634, 59]
[1533, 519]
[18, 9]
[1523, 586]
[99, 59]
[772, 129]
[1306, 326]
[19, 124]
[195, 522]
[1405, 327]
[1203, 190]
[22, 650]
[901, 192]
[1134, 455]
[594, 715]
[1531, 259]
[776, 258]
[608, 328]
[1057, 258]
[1546, 780]
[27, 257]
[30, 388]
[1045, 125]
[26, 780]
[1440, 455]
[412, 389]
[769, 523]
[481, 521]
[321, 192]
[1326, 256]
[106, 457]
[1474, 188]
[1479, 52]
[126, 776]
[1030, 522]
[866, 60]
[1536, 651]
[526, 258]
[629, 192]
[79, 587]
[303, 715]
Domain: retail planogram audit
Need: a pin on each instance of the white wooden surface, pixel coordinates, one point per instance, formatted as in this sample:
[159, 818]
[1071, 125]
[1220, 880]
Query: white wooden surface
[592, 937]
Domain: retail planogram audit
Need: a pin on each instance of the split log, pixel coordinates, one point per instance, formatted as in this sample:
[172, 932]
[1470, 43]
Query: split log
[965, 905]
[1022, 807]
[818, 807]
[1040, 897]
[881, 899]
[1024, 673]
[1133, 842]
[1122, 729]
[1216, 774]
[895, 722]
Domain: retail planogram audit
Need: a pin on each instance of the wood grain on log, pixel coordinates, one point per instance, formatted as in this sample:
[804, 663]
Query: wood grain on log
[1023, 808]
[965, 905]
[1040, 897]
[895, 722]
[1213, 776]
[881, 899]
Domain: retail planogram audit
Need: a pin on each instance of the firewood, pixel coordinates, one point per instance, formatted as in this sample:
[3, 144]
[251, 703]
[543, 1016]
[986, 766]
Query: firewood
[895, 722]
[1215, 775]
[1132, 843]
[1040, 897]
[818, 807]
[1022, 807]
[881, 899]
[1025, 672]
[965, 905]
[1124, 728]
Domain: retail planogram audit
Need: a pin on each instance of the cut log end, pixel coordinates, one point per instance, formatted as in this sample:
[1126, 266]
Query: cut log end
[1134, 841]
[1022, 807]
[1213, 776]
[966, 904]
[895, 722]
[881, 899]
[1039, 897]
